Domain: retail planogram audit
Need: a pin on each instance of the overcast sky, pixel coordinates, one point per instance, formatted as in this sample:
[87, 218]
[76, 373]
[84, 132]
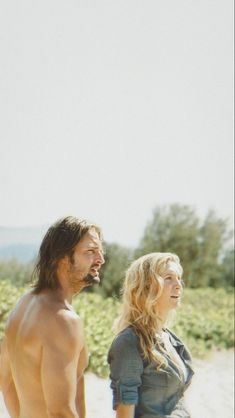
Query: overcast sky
[110, 108]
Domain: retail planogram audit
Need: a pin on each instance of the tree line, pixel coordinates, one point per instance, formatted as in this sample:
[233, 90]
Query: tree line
[204, 246]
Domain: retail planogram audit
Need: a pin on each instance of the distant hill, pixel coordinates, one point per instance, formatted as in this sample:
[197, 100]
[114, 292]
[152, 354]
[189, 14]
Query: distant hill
[22, 252]
[20, 243]
[23, 235]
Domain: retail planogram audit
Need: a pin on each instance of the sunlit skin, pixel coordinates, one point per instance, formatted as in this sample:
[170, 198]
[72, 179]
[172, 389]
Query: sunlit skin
[172, 290]
[83, 269]
[43, 355]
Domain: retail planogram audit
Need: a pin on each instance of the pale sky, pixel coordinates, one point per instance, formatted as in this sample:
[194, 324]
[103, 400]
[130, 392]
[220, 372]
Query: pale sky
[110, 108]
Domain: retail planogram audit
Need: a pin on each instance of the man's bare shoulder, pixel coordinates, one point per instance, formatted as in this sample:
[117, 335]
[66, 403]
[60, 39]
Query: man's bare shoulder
[44, 318]
[19, 309]
[68, 321]
[63, 327]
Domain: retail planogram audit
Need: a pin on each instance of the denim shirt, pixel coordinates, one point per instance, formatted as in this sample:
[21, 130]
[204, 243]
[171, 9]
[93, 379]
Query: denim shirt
[134, 381]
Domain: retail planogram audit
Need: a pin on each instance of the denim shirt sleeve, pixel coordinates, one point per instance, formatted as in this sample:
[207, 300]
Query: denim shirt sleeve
[126, 368]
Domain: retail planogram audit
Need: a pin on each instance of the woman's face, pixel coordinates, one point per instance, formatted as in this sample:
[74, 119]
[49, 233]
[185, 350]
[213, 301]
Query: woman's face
[172, 288]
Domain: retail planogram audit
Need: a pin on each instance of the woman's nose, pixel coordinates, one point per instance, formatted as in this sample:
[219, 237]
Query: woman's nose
[178, 283]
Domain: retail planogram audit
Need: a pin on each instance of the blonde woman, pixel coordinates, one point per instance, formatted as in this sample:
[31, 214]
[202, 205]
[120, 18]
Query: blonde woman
[150, 367]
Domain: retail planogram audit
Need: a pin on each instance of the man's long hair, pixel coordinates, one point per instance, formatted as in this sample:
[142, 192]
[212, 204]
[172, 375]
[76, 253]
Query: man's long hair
[59, 241]
[142, 287]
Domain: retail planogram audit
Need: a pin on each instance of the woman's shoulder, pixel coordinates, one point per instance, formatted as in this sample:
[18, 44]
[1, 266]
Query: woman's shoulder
[127, 334]
[125, 348]
[126, 337]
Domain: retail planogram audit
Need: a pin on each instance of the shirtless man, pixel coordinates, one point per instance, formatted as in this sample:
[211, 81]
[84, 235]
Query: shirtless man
[43, 355]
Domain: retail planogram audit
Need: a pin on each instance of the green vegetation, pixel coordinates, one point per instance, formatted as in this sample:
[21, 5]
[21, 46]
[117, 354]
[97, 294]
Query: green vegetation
[9, 295]
[204, 322]
[98, 315]
[203, 245]
[117, 259]
[15, 272]
[200, 244]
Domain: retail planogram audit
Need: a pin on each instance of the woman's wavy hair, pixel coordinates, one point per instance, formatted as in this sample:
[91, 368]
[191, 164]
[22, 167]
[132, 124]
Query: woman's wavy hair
[59, 241]
[142, 287]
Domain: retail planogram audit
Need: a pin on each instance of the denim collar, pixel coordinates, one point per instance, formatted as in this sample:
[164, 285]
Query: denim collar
[182, 351]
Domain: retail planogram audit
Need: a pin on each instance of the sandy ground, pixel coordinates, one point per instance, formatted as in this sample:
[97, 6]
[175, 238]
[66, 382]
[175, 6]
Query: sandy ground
[210, 395]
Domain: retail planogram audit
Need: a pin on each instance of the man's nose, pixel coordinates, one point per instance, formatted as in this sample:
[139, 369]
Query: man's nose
[100, 258]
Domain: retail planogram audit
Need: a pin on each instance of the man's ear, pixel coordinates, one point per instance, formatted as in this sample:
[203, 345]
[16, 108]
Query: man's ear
[64, 263]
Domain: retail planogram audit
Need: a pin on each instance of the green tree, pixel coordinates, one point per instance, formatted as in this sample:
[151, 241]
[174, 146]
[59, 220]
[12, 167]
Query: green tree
[227, 268]
[199, 244]
[213, 235]
[172, 228]
[15, 272]
[117, 259]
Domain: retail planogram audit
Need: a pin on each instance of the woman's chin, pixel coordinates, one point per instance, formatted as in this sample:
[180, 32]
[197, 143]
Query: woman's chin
[176, 302]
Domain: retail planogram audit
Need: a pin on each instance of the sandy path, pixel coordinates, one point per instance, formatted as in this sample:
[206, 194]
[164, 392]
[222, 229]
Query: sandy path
[210, 395]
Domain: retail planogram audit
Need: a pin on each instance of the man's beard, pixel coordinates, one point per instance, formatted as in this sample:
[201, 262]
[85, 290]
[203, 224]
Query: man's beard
[90, 280]
[77, 284]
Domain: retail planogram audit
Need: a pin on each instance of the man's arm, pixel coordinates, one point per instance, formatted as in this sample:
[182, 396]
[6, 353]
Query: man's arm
[62, 346]
[125, 411]
[80, 399]
[7, 385]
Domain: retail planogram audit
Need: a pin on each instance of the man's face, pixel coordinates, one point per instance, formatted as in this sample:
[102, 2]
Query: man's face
[87, 260]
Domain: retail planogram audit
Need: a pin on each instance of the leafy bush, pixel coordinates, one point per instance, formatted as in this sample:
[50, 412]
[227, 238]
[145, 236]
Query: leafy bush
[17, 273]
[204, 322]
[98, 315]
[9, 294]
